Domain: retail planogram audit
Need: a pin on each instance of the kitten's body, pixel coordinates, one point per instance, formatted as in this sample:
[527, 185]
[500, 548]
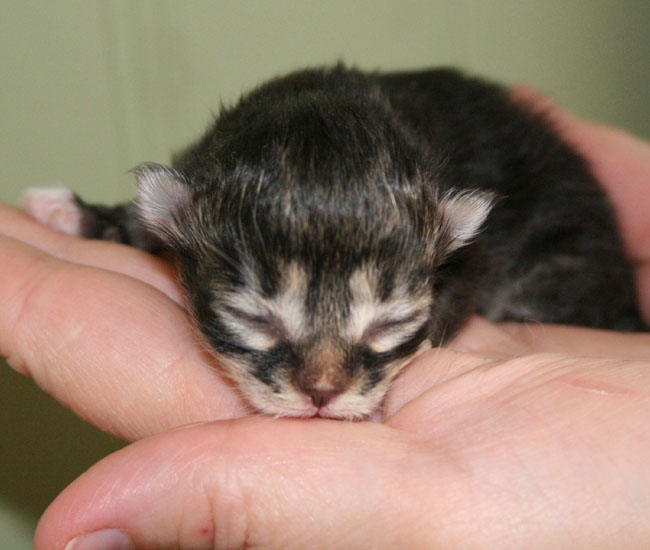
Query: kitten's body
[332, 223]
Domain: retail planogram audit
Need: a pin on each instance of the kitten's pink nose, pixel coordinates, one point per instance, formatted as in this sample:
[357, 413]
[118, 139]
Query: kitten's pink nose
[320, 398]
[321, 389]
[322, 376]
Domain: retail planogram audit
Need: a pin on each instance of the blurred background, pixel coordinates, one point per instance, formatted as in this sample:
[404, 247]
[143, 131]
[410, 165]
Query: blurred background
[92, 88]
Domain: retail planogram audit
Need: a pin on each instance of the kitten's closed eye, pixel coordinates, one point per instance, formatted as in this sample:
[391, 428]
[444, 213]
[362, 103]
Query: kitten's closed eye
[258, 332]
[266, 326]
[386, 332]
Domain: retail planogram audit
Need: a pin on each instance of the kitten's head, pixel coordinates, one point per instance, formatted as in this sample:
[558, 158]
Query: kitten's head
[310, 245]
[312, 316]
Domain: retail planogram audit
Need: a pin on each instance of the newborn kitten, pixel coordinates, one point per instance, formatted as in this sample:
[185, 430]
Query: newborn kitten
[333, 224]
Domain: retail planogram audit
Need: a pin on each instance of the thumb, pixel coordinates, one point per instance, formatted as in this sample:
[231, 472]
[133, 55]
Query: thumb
[504, 340]
[250, 483]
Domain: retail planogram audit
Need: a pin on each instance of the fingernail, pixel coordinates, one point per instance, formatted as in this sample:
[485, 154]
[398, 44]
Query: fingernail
[106, 539]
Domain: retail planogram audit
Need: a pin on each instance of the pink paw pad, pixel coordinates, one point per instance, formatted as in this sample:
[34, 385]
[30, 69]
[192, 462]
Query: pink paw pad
[54, 207]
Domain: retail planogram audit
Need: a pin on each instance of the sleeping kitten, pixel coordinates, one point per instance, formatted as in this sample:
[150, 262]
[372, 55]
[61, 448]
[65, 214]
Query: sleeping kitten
[333, 224]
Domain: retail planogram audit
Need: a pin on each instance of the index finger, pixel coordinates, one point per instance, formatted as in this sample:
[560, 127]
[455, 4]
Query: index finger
[106, 255]
[118, 352]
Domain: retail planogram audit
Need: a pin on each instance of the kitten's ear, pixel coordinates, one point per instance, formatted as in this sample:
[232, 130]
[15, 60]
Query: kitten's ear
[463, 214]
[162, 193]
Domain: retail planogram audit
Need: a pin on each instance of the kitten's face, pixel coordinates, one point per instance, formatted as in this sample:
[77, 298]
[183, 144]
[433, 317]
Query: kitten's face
[312, 306]
[309, 348]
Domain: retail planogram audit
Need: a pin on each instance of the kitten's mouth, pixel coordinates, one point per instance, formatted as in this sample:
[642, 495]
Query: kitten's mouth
[332, 416]
[324, 412]
[330, 412]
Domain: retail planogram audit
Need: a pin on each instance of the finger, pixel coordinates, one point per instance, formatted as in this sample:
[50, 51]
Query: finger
[118, 352]
[448, 376]
[533, 98]
[106, 255]
[483, 337]
[254, 483]
[435, 369]
[579, 341]
[508, 340]
[619, 160]
[477, 345]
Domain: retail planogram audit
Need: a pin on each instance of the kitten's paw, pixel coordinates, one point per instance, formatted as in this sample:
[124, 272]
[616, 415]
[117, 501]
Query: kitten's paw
[54, 207]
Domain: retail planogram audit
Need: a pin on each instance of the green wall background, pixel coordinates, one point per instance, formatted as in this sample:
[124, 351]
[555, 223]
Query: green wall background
[89, 89]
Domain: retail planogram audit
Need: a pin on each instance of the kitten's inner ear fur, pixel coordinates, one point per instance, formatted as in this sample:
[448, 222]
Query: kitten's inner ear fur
[162, 194]
[463, 214]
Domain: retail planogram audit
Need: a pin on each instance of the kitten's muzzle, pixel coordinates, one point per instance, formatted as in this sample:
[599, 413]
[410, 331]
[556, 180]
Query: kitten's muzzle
[322, 378]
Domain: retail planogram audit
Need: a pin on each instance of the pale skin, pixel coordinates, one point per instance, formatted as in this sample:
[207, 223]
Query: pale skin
[519, 436]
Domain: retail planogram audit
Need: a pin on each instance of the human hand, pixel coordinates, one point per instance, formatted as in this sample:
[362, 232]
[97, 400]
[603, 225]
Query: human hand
[476, 447]
[540, 451]
[100, 327]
